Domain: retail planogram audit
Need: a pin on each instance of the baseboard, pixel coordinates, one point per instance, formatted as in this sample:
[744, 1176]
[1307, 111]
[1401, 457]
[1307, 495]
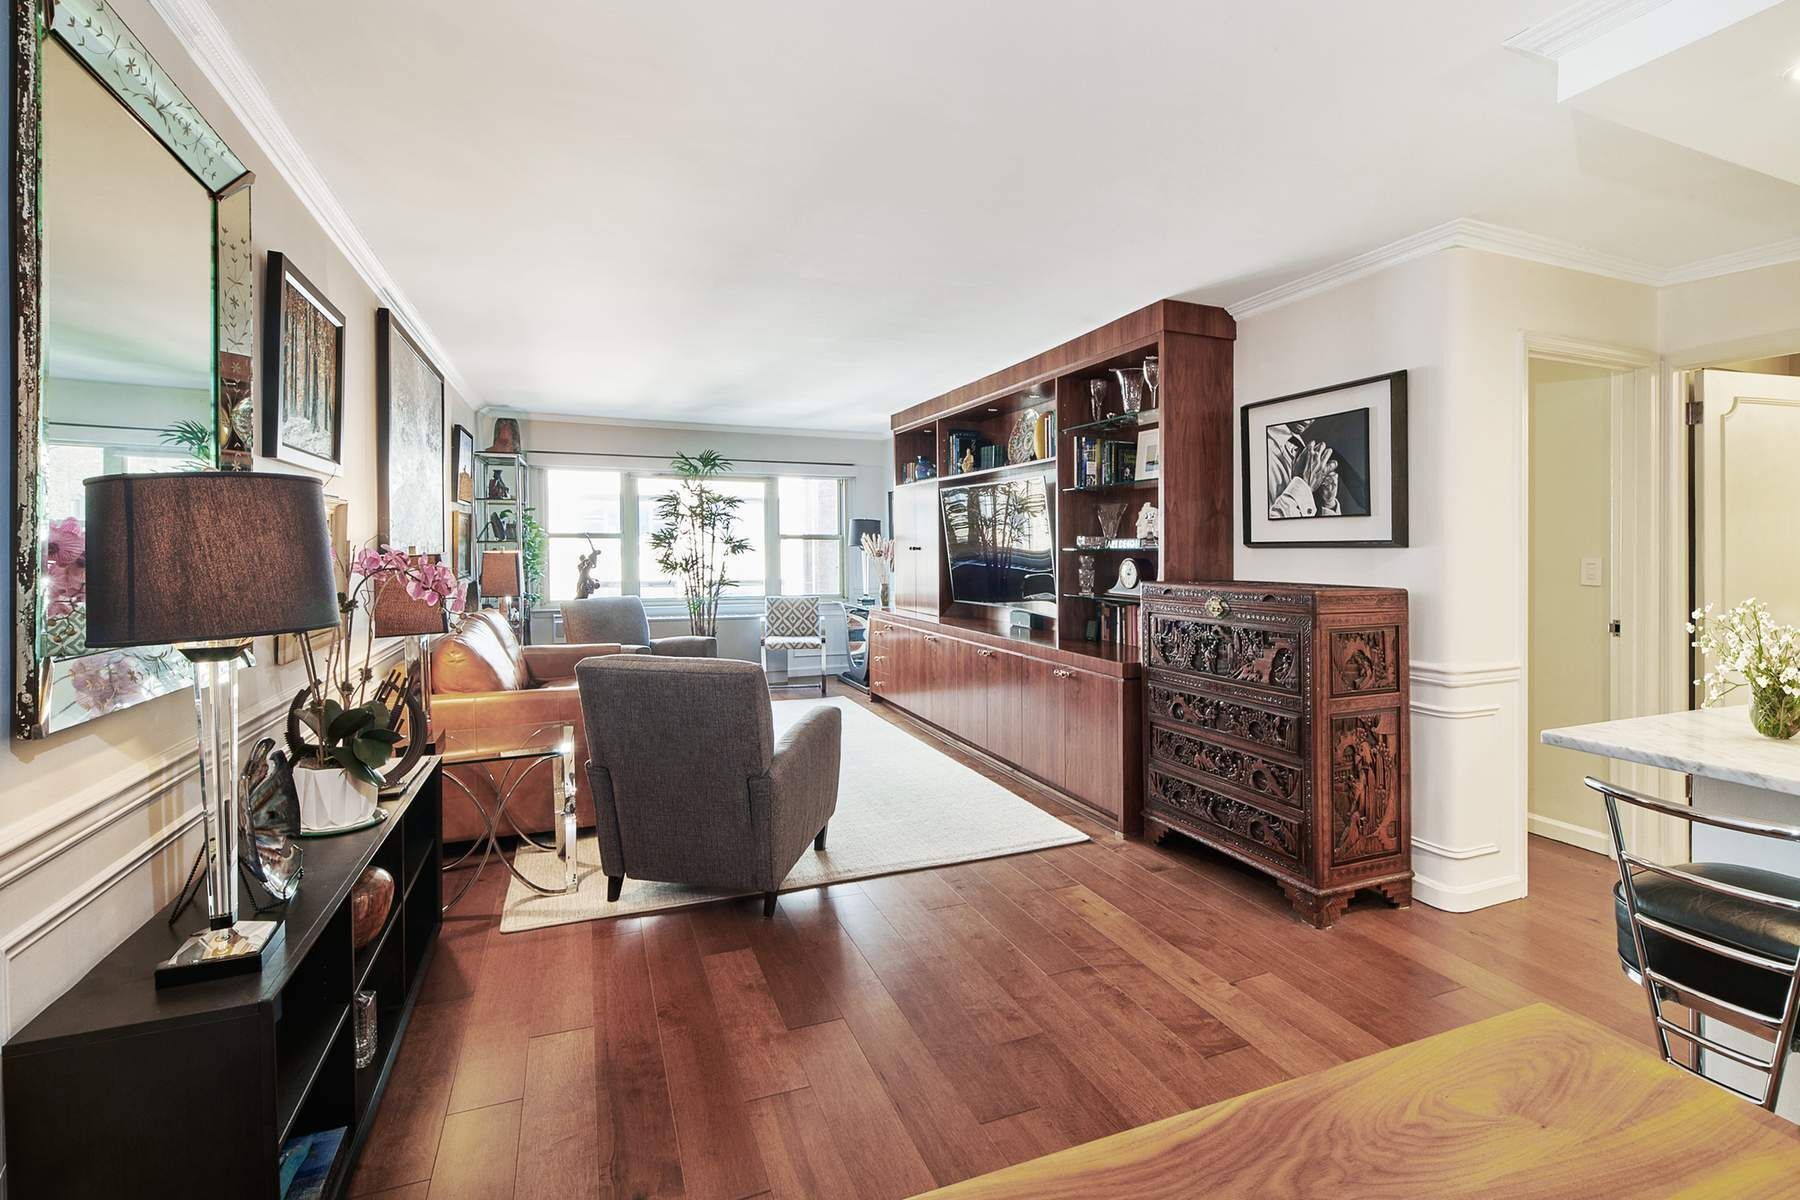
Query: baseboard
[1467, 897]
[1598, 841]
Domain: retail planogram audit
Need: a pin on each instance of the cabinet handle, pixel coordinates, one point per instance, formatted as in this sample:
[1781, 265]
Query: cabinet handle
[1062, 673]
[931, 637]
[985, 653]
[878, 658]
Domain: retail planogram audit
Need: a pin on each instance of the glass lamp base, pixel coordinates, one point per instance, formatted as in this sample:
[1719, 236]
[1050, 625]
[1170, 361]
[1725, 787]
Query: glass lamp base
[212, 953]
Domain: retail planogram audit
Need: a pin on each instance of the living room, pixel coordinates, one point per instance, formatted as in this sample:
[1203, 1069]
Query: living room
[654, 603]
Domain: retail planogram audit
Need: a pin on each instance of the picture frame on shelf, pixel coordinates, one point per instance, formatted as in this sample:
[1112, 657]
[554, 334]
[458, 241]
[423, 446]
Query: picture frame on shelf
[462, 543]
[409, 428]
[1149, 452]
[1327, 467]
[303, 371]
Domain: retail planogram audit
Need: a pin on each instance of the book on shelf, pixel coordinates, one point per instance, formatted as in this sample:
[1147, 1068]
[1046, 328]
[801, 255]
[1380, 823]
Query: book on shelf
[1118, 461]
[306, 1164]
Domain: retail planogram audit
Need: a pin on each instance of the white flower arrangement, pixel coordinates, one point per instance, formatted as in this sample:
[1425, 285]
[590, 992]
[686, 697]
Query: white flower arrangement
[1746, 646]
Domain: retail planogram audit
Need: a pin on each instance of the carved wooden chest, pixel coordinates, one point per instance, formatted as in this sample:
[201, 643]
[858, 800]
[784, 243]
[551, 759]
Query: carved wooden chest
[1277, 730]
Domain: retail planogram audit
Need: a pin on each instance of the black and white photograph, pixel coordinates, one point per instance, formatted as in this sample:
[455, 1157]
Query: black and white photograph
[1319, 466]
[1326, 467]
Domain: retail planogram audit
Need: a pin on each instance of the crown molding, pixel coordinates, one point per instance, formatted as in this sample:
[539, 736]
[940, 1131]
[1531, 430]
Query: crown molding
[1514, 243]
[527, 414]
[200, 33]
[1756, 257]
[1577, 25]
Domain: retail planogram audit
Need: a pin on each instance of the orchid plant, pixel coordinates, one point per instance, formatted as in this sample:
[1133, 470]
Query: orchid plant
[1746, 647]
[354, 730]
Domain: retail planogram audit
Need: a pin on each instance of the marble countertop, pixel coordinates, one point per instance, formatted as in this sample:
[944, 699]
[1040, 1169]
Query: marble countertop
[1716, 743]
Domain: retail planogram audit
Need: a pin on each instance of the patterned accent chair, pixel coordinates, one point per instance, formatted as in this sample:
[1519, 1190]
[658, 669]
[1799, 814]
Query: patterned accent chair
[621, 619]
[792, 624]
[730, 808]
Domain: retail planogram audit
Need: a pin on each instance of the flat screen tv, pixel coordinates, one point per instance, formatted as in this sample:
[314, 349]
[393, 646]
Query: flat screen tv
[1000, 541]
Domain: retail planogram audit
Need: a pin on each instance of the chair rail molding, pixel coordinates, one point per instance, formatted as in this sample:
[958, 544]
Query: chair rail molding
[197, 27]
[1463, 675]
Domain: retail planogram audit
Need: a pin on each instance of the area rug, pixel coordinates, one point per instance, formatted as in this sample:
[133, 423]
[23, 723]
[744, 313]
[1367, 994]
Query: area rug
[902, 805]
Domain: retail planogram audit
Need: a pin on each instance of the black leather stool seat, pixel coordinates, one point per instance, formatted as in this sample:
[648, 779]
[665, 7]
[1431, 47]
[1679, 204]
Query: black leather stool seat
[1744, 924]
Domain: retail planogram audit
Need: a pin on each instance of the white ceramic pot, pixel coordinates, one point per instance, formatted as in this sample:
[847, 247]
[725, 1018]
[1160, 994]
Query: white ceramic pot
[330, 798]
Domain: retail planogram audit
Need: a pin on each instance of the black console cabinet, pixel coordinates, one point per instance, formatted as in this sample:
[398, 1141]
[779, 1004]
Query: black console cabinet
[121, 1089]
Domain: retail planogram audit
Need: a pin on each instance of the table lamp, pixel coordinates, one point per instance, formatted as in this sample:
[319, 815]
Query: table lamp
[208, 560]
[500, 577]
[861, 527]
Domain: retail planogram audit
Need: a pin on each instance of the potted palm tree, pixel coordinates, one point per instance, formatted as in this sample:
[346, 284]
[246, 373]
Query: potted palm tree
[696, 538]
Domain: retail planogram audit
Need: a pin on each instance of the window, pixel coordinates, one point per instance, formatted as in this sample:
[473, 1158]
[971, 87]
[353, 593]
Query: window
[811, 532]
[581, 516]
[794, 525]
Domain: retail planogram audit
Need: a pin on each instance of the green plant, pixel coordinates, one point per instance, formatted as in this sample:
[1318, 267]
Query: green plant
[357, 739]
[695, 542]
[534, 553]
[196, 437]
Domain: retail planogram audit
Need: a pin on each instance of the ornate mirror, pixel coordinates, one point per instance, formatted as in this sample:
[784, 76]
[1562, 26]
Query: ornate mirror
[132, 280]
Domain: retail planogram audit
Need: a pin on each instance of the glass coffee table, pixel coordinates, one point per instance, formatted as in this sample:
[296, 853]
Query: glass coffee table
[504, 756]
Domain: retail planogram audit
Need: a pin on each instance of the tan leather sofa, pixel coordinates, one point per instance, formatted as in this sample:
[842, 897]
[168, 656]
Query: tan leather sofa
[482, 678]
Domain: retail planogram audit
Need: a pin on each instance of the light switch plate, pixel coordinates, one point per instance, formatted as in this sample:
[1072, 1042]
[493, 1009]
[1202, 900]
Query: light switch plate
[1591, 573]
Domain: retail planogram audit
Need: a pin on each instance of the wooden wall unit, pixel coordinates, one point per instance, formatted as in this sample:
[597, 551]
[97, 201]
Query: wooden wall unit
[1278, 730]
[1068, 716]
[1061, 707]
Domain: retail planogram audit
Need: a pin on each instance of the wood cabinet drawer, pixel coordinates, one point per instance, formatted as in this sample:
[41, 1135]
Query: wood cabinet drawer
[1263, 833]
[1268, 658]
[1269, 729]
[1244, 771]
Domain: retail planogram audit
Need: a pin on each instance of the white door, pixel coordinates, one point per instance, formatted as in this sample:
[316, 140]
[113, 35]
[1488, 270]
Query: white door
[1746, 467]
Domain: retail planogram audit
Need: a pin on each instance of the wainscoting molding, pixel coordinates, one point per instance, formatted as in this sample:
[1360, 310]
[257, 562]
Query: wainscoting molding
[1463, 675]
[1455, 714]
[1456, 852]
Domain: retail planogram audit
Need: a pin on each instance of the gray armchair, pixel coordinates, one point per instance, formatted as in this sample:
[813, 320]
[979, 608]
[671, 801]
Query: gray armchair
[623, 617]
[690, 785]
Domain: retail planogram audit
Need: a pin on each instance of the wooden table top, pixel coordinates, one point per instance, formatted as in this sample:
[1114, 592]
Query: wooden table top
[1535, 1103]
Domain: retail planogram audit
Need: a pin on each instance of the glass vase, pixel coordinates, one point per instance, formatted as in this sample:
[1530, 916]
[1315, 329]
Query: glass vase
[1774, 713]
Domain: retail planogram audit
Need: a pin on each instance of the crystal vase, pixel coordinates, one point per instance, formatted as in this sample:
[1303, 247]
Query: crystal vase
[1774, 713]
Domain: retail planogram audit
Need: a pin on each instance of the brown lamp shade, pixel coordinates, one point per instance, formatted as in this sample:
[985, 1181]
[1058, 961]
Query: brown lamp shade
[500, 572]
[396, 614]
[197, 556]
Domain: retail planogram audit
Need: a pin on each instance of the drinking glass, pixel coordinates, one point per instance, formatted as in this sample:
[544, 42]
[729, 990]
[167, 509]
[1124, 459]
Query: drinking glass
[1152, 371]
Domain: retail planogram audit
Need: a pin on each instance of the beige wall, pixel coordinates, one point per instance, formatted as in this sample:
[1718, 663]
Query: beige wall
[1752, 314]
[97, 824]
[1569, 672]
[1457, 321]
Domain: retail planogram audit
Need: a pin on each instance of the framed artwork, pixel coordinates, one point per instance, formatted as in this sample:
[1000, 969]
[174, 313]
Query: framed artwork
[462, 464]
[1327, 467]
[303, 371]
[409, 431]
[1149, 453]
[462, 543]
[337, 517]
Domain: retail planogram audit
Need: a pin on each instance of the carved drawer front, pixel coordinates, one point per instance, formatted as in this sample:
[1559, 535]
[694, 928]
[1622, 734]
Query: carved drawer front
[1247, 654]
[1268, 835]
[1365, 785]
[1365, 661]
[1276, 731]
[1275, 781]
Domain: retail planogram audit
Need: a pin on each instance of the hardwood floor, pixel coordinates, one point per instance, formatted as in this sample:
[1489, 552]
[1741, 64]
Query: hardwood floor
[880, 1038]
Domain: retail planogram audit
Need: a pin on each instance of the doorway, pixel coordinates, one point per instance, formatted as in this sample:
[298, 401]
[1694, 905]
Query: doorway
[1572, 591]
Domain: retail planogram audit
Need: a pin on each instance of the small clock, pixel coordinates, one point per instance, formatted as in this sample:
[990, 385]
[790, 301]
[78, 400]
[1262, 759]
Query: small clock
[1132, 573]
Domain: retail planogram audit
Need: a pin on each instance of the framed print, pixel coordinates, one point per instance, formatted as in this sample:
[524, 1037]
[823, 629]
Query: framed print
[462, 543]
[409, 432]
[1327, 467]
[462, 465]
[1149, 453]
[303, 371]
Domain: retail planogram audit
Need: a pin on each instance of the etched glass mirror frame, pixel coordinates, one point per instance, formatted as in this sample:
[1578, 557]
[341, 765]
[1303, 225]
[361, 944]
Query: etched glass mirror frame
[100, 42]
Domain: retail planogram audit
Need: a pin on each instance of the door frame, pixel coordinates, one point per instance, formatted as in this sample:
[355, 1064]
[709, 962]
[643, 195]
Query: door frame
[1641, 426]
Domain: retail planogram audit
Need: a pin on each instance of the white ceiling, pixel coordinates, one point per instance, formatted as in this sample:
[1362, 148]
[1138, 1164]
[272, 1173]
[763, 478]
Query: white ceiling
[811, 214]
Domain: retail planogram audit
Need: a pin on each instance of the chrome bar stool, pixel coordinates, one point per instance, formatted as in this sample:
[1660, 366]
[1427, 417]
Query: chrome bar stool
[1719, 939]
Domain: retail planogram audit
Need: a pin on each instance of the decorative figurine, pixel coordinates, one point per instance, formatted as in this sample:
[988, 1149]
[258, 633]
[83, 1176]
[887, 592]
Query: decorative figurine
[497, 489]
[506, 436]
[1149, 524]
